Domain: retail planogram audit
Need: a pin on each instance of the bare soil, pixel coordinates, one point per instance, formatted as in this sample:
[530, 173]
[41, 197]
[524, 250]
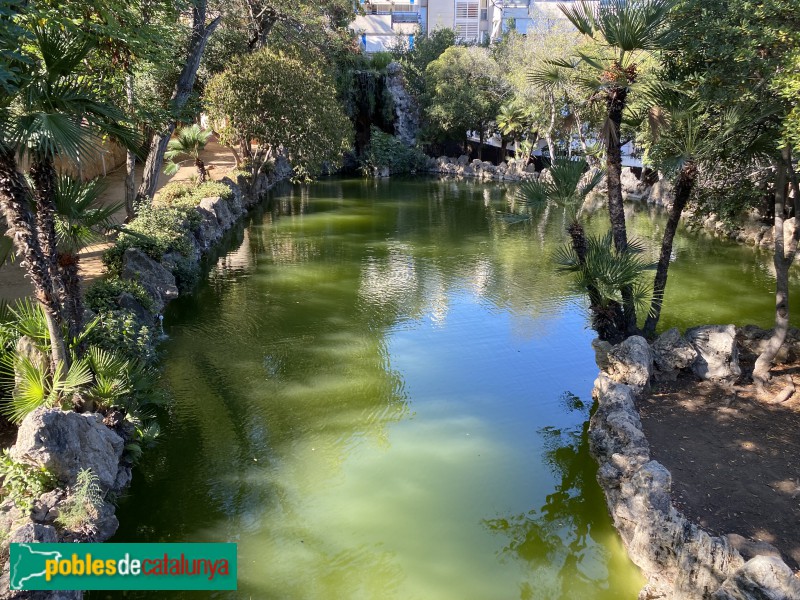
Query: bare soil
[733, 456]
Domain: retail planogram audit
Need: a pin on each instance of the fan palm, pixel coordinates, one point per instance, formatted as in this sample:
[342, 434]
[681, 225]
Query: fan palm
[623, 32]
[81, 219]
[189, 141]
[512, 121]
[56, 111]
[597, 265]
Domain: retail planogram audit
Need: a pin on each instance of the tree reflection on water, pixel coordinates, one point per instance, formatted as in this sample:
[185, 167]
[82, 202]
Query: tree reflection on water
[564, 542]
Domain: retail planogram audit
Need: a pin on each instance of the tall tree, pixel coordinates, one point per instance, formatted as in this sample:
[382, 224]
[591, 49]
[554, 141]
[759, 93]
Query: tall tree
[623, 33]
[201, 31]
[55, 112]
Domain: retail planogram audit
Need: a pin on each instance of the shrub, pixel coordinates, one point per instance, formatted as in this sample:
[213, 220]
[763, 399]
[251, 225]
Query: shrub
[83, 504]
[102, 294]
[156, 230]
[180, 193]
[23, 483]
[386, 150]
[121, 332]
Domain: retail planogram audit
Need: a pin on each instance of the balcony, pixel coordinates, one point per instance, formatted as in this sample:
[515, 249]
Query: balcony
[405, 17]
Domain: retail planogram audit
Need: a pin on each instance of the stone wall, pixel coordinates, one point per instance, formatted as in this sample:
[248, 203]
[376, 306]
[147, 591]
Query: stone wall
[680, 560]
[510, 170]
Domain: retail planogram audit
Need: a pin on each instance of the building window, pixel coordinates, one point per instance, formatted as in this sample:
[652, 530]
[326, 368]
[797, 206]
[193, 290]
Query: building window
[467, 25]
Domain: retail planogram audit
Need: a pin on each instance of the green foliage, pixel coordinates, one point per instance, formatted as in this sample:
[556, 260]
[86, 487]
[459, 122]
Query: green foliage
[464, 92]
[188, 141]
[83, 504]
[605, 271]
[120, 331]
[380, 60]
[281, 101]
[156, 230]
[187, 195]
[23, 483]
[35, 386]
[427, 48]
[567, 186]
[122, 382]
[102, 294]
[386, 150]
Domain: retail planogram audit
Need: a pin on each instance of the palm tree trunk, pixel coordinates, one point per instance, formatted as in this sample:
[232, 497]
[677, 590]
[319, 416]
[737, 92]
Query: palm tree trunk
[784, 257]
[683, 190]
[183, 89]
[73, 309]
[615, 103]
[202, 174]
[15, 207]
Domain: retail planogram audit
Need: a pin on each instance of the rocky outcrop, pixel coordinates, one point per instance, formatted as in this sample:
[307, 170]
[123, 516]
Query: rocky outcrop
[717, 354]
[511, 170]
[406, 110]
[671, 354]
[680, 560]
[157, 281]
[65, 442]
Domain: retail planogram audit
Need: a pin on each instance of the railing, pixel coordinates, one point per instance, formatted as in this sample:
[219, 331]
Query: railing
[405, 17]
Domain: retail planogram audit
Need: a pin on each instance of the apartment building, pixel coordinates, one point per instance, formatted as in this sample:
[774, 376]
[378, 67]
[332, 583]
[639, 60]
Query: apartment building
[386, 23]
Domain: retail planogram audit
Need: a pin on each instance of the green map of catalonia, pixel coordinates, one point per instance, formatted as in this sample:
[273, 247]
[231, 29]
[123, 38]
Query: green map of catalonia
[27, 563]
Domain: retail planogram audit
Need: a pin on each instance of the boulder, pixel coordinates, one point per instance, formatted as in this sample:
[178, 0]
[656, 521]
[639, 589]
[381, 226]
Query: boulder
[156, 279]
[65, 442]
[672, 353]
[463, 159]
[601, 349]
[761, 578]
[717, 354]
[662, 193]
[221, 210]
[128, 302]
[631, 362]
[630, 183]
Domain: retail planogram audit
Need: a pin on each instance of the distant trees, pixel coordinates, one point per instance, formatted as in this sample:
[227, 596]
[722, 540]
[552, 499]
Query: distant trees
[464, 90]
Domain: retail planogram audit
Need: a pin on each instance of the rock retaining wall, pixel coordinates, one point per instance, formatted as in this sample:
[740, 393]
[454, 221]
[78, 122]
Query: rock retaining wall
[680, 560]
[66, 442]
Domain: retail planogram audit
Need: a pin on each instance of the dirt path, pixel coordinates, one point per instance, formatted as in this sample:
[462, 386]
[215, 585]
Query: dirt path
[733, 457]
[14, 284]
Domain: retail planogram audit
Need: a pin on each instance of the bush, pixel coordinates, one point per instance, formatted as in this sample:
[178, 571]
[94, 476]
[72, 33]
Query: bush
[386, 150]
[83, 504]
[156, 230]
[102, 295]
[23, 483]
[120, 331]
[187, 195]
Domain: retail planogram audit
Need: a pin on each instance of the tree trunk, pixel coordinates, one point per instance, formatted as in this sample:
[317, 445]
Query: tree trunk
[480, 145]
[615, 104]
[14, 204]
[130, 159]
[73, 309]
[183, 89]
[683, 190]
[43, 175]
[551, 128]
[784, 256]
[202, 174]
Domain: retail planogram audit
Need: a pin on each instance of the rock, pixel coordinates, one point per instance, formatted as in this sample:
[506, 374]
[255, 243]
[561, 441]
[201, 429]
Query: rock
[630, 183]
[761, 578]
[66, 442]
[601, 349]
[672, 353]
[155, 279]
[236, 200]
[128, 301]
[751, 548]
[33, 533]
[45, 509]
[717, 354]
[531, 168]
[662, 193]
[631, 362]
[406, 109]
[463, 159]
[220, 208]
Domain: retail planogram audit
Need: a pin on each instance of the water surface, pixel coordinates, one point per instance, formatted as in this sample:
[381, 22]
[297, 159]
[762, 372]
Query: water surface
[382, 391]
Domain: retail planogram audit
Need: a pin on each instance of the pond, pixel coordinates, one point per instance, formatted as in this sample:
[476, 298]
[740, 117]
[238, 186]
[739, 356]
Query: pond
[382, 391]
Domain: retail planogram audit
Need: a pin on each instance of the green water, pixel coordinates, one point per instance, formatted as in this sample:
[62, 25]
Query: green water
[382, 391]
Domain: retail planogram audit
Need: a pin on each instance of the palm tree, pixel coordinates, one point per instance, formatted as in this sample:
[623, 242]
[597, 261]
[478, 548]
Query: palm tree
[512, 121]
[623, 32]
[80, 220]
[601, 271]
[190, 142]
[55, 111]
